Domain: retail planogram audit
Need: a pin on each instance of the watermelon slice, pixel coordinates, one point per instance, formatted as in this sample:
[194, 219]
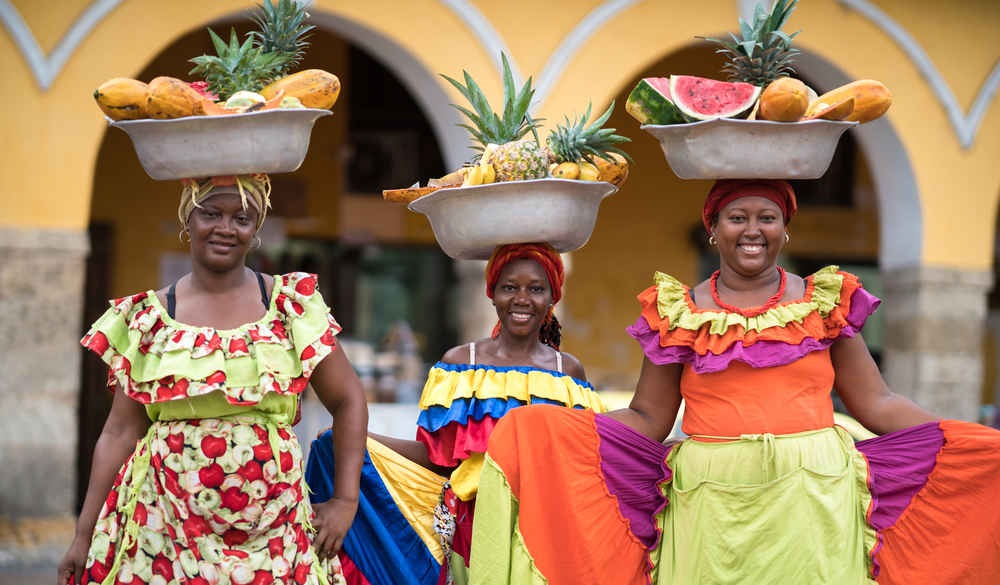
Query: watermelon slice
[699, 98]
[650, 102]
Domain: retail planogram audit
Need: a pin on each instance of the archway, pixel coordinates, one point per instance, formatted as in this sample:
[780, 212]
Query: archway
[329, 215]
[659, 213]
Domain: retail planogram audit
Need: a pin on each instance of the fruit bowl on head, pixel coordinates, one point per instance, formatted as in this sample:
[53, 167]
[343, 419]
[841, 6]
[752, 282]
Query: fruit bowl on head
[469, 222]
[726, 148]
[700, 125]
[269, 141]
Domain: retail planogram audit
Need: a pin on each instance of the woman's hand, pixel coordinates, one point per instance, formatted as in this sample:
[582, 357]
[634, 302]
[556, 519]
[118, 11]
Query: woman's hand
[74, 561]
[332, 519]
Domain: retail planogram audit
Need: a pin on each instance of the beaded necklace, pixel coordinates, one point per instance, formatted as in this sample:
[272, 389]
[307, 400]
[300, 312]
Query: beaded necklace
[755, 311]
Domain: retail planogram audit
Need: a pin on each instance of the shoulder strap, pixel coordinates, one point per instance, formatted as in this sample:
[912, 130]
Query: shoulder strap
[472, 353]
[264, 297]
[172, 300]
[559, 361]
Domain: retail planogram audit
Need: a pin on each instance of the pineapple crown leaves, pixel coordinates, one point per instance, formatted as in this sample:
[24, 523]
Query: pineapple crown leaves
[282, 29]
[488, 127]
[762, 49]
[266, 54]
[576, 140]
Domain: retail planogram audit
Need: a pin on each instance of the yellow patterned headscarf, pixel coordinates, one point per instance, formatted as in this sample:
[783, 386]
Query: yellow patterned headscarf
[254, 190]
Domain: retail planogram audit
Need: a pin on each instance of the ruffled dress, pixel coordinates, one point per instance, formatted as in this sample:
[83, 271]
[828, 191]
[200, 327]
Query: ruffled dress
[411, 521]
[767, 490]
[214, 492]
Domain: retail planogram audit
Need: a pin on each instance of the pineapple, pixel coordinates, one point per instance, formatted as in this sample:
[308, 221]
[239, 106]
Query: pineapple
[578, 149]
[762, 52]
[499, 139]
[266, 54]
[578, 142]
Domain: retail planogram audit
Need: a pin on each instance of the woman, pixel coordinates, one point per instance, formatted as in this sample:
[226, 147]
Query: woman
[197, 476]
[766, 489]
[418, 497]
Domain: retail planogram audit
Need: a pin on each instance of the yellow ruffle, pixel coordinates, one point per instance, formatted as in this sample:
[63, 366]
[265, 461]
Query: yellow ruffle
[673, 306]
[444, 386]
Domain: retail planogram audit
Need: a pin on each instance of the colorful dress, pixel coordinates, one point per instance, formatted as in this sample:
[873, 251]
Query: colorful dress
[767, 490]
[412, 521]
[213, 494]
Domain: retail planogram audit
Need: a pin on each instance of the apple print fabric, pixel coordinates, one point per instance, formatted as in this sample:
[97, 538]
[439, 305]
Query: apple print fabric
[218, 498]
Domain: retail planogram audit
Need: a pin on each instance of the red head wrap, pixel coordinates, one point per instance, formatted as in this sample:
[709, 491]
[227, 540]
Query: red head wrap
[550, 261]
[726, 191]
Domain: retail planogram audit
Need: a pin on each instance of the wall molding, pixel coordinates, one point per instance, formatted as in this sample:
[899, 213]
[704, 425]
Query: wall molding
[965, 125]
[47, 67]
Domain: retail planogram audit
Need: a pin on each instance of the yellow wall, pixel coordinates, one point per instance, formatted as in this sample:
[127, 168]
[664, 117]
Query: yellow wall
[58, 136]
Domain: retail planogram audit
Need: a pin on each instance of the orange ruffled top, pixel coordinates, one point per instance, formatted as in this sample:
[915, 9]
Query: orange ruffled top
[769, 373]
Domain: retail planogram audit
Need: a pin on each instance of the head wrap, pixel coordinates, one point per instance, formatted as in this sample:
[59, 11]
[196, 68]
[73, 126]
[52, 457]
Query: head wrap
[726, 191]
[550, 261]
[254, 191]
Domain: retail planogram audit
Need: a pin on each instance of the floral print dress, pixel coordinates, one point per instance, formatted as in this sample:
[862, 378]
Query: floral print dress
[214, 493]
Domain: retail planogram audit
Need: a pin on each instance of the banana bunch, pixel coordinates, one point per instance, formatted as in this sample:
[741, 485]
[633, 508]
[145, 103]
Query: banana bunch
[480, 174]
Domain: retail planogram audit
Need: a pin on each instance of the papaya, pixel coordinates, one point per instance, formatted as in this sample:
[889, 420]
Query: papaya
[122, 98]
[172, 98]
[830, 111]
[614, 173]
[315, 88]
[871, 99]
[783, 100]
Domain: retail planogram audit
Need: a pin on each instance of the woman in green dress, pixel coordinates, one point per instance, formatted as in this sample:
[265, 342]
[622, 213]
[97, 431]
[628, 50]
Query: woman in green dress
[197, 476]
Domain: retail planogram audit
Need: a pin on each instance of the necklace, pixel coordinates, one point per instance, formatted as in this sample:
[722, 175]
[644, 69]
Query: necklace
[754, 311]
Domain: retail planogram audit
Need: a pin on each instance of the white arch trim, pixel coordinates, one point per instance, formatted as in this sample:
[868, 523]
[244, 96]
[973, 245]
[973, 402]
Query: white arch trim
[47, 67]
[577, 38]
[965, 125]
[422, 84]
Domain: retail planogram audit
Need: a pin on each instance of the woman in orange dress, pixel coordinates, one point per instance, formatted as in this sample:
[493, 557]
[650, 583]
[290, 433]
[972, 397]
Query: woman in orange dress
[766, 489]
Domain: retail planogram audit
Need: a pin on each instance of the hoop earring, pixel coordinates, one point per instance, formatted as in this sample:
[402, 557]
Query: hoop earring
[712, 240]
[257, 243]
[184, 236]
[787, 238]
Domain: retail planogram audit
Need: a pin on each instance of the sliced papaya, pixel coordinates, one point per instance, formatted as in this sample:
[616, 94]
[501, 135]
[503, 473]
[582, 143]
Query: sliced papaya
[820, 110]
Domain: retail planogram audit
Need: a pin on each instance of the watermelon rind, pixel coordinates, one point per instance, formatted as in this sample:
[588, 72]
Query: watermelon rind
[686, 90]
[649, 106]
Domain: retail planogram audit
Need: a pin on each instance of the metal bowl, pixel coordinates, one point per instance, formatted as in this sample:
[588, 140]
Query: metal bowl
[469, 222]
[272, 141]
[749, 149]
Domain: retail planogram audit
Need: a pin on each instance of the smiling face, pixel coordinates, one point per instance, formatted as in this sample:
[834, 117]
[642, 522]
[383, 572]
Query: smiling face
[221, 232]
[522, 297]
[750, 233]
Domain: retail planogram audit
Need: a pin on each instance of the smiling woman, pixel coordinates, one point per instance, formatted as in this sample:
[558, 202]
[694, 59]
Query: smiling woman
[418, 497]
[197, 472]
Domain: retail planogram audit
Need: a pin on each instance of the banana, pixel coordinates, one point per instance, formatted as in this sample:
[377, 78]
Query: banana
[489, 173]
[474, 176]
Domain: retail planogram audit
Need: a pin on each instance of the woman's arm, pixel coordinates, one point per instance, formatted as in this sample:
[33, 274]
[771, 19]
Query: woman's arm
[656, 400]
[866, 395]
[340, 391]
[126, 424]
[415, 451]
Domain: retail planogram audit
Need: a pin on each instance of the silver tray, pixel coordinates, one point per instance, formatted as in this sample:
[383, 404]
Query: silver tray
[469, 222]
[272, 141]
[725, 148]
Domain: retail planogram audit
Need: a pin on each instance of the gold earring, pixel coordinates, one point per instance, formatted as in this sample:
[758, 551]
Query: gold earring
[184, 236]
[712, 240]
[257, 243]
[787, 238]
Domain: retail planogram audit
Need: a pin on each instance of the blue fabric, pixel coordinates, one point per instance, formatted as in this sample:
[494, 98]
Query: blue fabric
[465, 409]
[381, 542]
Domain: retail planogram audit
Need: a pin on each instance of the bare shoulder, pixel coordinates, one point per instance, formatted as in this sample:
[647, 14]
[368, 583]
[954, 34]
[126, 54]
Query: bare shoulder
[573, 367]
[458, 355]
[795, 287]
